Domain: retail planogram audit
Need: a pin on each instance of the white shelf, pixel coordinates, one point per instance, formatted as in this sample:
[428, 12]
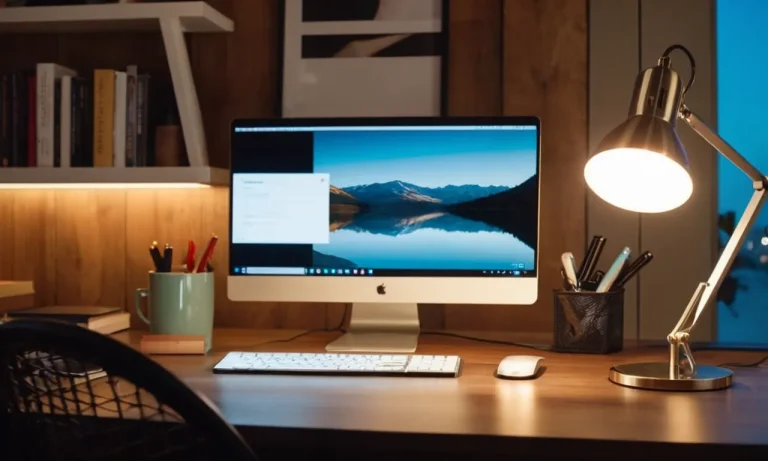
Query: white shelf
[94, 177]
[193, 16]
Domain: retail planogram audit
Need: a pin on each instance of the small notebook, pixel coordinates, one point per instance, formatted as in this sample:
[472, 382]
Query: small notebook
[104, 320]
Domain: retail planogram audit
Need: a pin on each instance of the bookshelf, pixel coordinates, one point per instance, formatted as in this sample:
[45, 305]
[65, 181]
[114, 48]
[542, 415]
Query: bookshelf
[177, 177]
[173, 20]
[194, 17]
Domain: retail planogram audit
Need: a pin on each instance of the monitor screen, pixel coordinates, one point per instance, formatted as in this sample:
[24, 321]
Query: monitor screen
[325, 198]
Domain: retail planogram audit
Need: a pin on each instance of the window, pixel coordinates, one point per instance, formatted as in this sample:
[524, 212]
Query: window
[742, 68]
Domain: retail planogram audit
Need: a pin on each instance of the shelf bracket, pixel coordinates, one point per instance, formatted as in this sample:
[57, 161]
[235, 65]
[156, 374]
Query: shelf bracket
[184, 89]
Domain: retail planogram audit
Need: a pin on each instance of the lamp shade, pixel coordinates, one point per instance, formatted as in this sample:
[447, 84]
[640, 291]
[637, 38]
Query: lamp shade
[641, 165]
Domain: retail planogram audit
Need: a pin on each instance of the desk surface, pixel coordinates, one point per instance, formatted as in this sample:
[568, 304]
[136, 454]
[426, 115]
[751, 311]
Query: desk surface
[573, 399]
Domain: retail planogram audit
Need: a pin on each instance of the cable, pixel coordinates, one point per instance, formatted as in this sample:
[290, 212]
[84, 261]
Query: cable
[691, 60]
[745, 365]
[487, 340]
[340, 328]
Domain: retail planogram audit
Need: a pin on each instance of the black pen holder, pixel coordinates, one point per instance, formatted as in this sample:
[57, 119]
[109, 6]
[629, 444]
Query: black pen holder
[589, 323]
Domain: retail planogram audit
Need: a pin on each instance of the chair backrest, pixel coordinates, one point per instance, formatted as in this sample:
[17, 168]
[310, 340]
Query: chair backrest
[72, 394]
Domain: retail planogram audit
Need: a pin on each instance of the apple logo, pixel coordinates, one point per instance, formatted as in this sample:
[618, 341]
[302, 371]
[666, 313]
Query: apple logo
[381, 289]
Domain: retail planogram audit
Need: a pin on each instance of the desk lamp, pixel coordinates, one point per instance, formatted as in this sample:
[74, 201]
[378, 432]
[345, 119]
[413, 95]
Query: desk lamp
[642, 166]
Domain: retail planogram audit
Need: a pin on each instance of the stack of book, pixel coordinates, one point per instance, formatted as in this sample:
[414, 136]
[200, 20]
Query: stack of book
[104, 320]
[53, 117]
[15, 295]
[51, 372]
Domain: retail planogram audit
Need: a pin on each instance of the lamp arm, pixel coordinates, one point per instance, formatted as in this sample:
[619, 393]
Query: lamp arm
[722, 146]
[678, 338]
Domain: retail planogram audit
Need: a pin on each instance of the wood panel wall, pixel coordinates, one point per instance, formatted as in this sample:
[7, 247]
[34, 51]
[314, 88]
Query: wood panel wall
[505, 57]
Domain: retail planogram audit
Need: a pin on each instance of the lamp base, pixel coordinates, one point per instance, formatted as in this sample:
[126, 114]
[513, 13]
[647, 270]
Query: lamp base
[655, 376]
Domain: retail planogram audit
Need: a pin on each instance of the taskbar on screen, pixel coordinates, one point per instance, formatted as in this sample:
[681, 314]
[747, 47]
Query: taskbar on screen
[366, 272]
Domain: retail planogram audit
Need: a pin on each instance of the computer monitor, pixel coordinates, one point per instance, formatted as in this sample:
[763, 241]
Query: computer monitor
[385, 214]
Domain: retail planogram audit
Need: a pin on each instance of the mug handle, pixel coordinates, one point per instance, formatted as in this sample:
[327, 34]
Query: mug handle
[140, 294]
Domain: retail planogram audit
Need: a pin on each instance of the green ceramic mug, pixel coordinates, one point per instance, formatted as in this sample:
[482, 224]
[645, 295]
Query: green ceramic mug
[179, 304]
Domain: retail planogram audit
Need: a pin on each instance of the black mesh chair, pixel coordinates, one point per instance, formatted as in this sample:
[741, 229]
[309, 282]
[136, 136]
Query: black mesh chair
[71, 394]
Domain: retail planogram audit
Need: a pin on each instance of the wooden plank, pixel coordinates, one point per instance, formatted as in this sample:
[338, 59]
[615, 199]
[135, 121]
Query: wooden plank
[208, 54]
[6, 234]
[168, 216]
[684, 240]
[215, 210]
[34, 242]
[253, 55]
[90, 247]
[571, 409]
[113, 51]
[474, 83]
[545, 74]
[474, 58]
[613, 65]
[24, 51]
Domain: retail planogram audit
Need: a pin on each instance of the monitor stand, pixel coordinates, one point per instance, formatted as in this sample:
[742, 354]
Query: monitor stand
[380, 327]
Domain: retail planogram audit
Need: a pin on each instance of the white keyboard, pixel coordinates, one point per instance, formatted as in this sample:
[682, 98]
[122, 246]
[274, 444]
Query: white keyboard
[446, 366]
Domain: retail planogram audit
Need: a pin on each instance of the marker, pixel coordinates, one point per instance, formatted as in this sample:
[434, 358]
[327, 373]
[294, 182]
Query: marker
[634, 268]
[607, 281]
[591, 258]
[569, 266]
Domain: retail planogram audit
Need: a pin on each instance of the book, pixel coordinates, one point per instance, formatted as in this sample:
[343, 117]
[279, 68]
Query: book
[10, 288]
[120, 119]
[48, 74]
[56, 372]
[103, 117]
[131, 130]
[104, 320]
[65, 123]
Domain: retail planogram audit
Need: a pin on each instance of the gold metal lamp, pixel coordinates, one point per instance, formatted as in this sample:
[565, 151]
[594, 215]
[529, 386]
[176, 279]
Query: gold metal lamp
[642, 166]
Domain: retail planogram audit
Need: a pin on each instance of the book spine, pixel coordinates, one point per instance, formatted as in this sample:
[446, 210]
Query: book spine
[103, 117]
[5, 151]
[65, 123]
[142, 120]
[74, 128]
[17, 133]
[121, 107]
[45, 114]
[23, 140]
[88, 123]
[131, 130]
[32, 120]
[57, 123]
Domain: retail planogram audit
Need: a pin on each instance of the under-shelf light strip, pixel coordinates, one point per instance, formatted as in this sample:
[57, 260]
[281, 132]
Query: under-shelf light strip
[127, 185]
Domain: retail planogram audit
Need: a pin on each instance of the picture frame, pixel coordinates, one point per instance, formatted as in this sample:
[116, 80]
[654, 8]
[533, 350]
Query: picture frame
[363, 58]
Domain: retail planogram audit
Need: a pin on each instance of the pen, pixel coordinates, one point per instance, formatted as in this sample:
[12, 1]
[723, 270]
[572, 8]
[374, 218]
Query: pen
[613, 272]
[634, 268]
[566, 284]
[157, 260]
[594, 280]
[207, 254]
[592, 257]
[569, 265]
[597, 276]
[190, 263]
[168, 258]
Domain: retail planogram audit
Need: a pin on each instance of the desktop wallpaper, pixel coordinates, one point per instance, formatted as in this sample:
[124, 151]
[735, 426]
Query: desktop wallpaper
[429, 200]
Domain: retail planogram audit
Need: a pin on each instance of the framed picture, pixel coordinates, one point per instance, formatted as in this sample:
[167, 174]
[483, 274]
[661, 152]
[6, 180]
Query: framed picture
[363, 58]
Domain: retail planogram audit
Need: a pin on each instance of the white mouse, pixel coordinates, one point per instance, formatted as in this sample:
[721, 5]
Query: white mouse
[519, 367]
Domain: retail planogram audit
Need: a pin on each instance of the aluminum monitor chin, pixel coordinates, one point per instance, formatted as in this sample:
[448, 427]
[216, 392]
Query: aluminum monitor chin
[374, 210]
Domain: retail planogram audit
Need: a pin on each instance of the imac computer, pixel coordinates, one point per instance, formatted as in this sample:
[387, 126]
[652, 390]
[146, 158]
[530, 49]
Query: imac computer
[384, 214]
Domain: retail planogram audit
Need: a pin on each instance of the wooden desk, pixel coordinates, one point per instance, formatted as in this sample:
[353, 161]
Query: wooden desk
[571, 410]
